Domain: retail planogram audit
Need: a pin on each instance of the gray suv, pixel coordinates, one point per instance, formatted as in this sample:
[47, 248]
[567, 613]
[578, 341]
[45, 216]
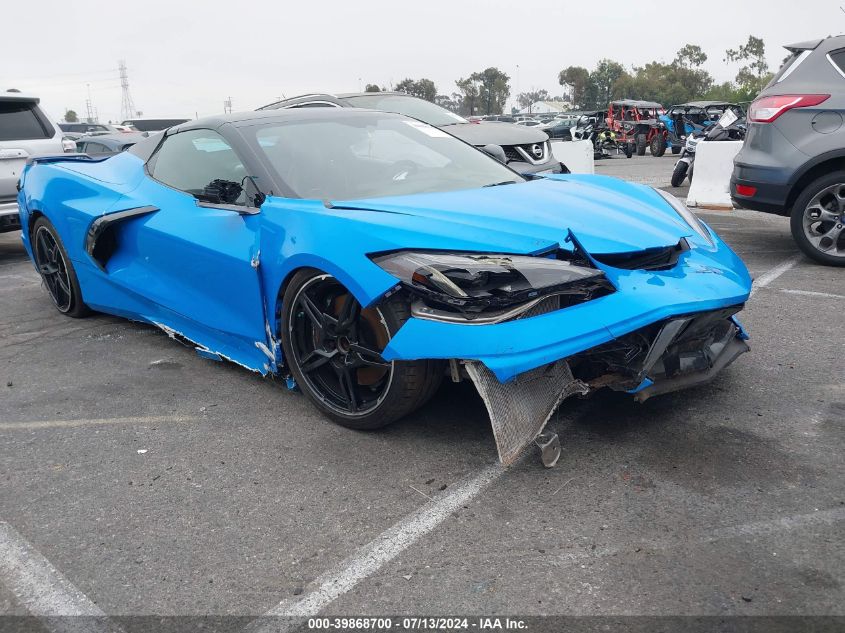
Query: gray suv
[793, 159]
[24, 131]
[526, 150]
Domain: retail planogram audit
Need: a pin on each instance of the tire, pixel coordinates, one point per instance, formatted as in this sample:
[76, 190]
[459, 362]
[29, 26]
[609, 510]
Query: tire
[658, 145]
[676, 149]
[353, 389]
[679, 173]
[689, 173]
[818, 219]
[629, 150]
[56, 269]
[641, 144]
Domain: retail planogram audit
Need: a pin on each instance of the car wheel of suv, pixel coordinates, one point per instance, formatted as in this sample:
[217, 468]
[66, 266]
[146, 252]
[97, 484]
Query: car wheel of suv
[332, 347]
[641, 144]
[56, 269]
[818, 219]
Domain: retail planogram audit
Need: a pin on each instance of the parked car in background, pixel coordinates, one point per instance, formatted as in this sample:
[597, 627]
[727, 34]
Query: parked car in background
[152, 125]
[25, 131]
[559, 128]
[77, 129]
[793, 159]
[529, 122]
[502, 118]
[526, 149]
[105, 144]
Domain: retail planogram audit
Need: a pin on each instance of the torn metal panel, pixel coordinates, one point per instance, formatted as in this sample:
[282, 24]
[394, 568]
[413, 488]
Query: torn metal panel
[521, 408]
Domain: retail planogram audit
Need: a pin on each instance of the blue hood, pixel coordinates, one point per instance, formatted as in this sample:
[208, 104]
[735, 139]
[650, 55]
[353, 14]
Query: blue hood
[607, 215]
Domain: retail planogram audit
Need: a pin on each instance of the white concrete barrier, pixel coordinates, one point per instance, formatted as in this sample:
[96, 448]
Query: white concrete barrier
[711, 177]
[576, 155]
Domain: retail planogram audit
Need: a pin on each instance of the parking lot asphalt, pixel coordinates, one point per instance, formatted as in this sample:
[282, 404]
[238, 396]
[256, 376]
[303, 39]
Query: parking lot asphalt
[148, 480]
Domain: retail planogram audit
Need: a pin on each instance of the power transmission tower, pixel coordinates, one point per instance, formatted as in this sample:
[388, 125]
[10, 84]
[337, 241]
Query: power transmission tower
[227, 106]
[89, 107]
[127, 106]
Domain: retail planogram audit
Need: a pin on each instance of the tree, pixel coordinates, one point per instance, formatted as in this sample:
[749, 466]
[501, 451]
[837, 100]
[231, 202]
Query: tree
[577, 79]
[452, 103]
[527, 99]
[423, 88]
[469, 95]
[754, 74]
[372, 88]
[690, 56]
[603, 78]
[71, 116]
[493, 89]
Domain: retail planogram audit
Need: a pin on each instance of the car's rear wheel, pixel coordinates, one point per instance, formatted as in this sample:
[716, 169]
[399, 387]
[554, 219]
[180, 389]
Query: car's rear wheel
[642, 143]
[658, 145]
[56, 269]
[679, 173]
[332, 347]
[818, 219]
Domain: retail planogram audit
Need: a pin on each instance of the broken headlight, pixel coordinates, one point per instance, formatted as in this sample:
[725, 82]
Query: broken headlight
[686, 215]
[477, 282]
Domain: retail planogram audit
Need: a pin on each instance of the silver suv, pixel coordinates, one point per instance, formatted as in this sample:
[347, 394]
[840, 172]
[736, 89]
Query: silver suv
[793, 159]
[25, 131]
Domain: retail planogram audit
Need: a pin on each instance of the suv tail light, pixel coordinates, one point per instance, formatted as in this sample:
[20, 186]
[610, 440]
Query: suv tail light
[767, 109]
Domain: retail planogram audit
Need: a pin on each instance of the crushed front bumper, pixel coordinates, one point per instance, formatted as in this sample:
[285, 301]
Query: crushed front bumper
[660, 331]
[674, 354]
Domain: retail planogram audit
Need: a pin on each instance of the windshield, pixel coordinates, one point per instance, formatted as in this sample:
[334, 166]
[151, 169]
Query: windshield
[409, 106]
[372, 155]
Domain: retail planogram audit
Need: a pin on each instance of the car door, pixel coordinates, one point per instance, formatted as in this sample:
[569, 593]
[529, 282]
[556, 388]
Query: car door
[197, 255]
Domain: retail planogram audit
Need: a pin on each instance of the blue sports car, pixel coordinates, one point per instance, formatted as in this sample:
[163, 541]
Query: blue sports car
[365, 256]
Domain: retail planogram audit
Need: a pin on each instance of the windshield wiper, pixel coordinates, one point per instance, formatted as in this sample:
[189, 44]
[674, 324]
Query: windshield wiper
[504, 182]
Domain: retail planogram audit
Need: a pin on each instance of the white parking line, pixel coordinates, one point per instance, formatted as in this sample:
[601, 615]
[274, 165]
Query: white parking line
[375, 554]
[65, 424]
[811, 293]
[43, 590]
[768, 277]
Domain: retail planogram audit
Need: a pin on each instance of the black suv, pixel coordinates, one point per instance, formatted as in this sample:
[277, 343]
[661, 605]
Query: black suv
[793, 159]
[527, 150]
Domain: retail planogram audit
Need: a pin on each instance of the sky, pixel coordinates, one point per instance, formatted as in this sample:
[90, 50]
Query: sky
[185, 58]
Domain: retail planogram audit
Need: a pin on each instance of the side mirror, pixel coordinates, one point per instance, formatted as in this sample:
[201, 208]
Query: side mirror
[496, 152]
[221, 192]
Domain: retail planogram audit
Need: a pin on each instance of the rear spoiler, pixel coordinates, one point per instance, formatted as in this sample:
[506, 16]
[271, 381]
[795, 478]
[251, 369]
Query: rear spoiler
[809, 45]
[65, 158]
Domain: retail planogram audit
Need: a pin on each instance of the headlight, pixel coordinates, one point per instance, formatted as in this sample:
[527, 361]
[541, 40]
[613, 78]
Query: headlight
[688, 216]
[474, 282]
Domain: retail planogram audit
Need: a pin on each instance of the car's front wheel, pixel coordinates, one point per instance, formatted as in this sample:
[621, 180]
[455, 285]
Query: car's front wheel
[56, 269]
[332, 347]
[818, 219]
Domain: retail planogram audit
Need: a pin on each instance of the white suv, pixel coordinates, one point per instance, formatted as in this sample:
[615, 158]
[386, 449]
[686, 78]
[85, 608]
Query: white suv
[25, 131]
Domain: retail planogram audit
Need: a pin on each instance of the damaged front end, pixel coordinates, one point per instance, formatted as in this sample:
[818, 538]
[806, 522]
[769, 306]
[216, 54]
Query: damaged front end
[532, 331]
[669, 356]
